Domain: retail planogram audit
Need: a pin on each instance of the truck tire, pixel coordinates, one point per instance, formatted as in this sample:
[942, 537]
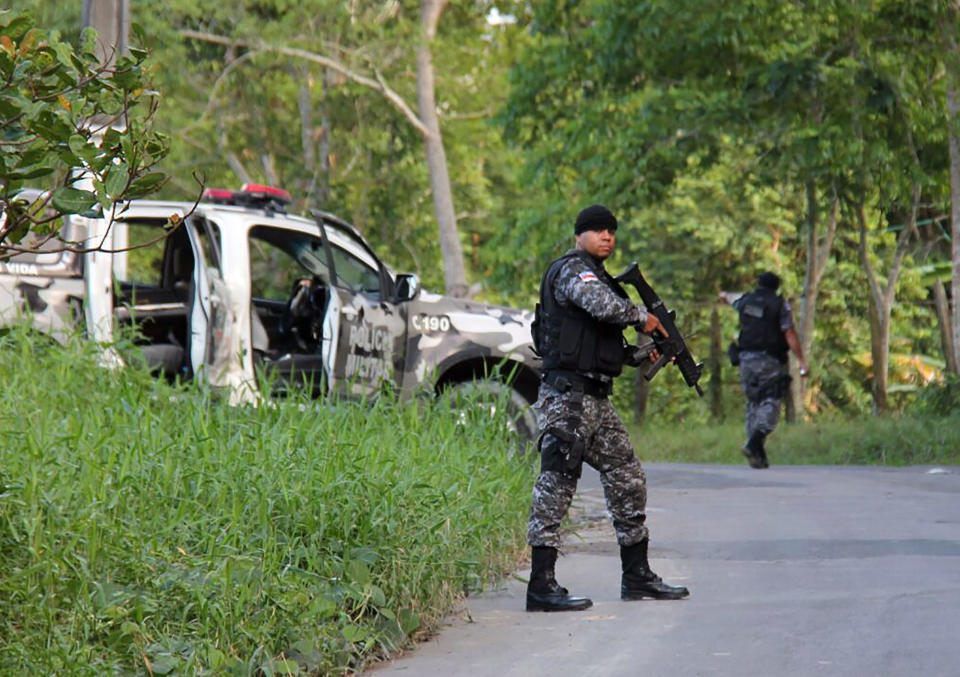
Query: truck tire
[489, 394]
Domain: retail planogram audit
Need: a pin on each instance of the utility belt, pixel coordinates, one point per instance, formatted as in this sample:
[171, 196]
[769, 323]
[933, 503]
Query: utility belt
[565, 381]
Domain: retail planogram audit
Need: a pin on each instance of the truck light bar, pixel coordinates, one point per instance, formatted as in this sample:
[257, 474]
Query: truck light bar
[257, 190]
[250, 195]
[217, 195]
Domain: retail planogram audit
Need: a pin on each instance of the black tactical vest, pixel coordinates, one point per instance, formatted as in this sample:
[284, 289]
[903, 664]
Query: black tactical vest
[760, 323]
[568, 337]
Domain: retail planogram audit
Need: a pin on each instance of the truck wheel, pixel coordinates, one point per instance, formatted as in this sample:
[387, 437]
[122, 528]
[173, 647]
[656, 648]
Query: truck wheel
[485, 396]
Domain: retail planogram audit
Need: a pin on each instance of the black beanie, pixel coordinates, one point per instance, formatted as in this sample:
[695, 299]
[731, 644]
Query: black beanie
[769, 281]
[594, 217]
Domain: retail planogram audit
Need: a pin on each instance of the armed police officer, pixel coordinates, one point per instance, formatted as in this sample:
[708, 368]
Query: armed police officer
[582, 315]
[766, 334]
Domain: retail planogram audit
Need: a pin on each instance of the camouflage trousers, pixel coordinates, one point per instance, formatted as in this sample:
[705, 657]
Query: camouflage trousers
[605, 447]
[765, 381]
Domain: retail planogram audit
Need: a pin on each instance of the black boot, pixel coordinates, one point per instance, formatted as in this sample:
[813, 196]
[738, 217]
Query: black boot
[754, 451]
[543, 591]
[639, 581]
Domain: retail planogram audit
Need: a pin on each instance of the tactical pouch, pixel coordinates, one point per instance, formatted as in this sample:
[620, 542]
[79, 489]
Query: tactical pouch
[561, 450]
[758, 389]
[733, 352]
[781, 386]
[562, 446]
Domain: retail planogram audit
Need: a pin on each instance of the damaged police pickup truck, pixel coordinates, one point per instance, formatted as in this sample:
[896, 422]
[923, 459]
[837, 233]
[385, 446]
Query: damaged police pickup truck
[240, 287]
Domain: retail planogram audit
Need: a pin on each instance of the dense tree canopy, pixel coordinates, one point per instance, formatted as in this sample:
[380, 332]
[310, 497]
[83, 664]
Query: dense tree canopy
[808, 138]
[830, 112]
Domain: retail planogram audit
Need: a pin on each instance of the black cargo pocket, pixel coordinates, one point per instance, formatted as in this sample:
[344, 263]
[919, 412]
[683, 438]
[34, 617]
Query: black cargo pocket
[570, 339]
[561, 451]
[780, 386]
[610, 357]
[753, 388]
[610, 352]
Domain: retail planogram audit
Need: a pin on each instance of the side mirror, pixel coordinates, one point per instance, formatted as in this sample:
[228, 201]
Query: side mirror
[407, 286]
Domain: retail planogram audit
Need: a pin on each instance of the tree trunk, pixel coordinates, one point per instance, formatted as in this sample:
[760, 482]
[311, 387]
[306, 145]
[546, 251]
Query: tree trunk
[307, 146]
[450, 249]
[818, 254]
[111, 19]
[881, 299]
[952, 62]
[269, 163]
[789, 409]
[879, 354]
[314, 143]
[640, 391]
[942, 307]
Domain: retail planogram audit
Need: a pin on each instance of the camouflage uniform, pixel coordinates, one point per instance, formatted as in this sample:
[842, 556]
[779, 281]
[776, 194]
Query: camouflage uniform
[762, 377]
[764, 380]
[594, 421]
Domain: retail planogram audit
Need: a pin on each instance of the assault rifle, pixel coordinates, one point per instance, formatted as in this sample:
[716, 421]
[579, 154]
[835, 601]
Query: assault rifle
[672, 348]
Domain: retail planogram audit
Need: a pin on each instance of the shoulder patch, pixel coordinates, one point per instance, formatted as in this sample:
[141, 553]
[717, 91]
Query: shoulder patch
[588, 276]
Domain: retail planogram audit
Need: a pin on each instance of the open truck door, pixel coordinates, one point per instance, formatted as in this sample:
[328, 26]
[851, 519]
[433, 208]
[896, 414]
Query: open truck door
[98, 285]
[218, 352]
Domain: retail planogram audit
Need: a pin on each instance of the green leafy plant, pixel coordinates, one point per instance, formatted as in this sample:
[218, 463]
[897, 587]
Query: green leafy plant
[80, 128]
[940, 398]
[155, 529]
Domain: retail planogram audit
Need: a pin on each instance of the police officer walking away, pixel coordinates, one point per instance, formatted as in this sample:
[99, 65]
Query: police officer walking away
[582, 314]
[766, 334]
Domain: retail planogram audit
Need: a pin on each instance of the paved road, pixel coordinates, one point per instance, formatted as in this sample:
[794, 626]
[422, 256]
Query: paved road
[795, 570]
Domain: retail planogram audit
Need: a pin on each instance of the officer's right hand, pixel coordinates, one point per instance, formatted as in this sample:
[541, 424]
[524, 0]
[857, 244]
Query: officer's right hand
[653, 324]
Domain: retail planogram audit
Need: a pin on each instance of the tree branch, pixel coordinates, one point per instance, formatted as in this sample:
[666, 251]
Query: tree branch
[216, 85]
[864, 257]
[377, 84]
[903, 241]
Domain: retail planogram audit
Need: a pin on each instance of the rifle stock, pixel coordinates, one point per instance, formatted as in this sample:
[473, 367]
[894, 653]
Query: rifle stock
[672, 348]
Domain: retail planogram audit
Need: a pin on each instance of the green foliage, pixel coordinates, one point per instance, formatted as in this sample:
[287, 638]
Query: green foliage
[939, 399]
[63, 112]
[335, 144]
[713, 130]
[145, 525]
[710, 129]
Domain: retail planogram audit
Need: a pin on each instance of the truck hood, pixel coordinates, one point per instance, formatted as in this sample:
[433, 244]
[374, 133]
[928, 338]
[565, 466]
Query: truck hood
[493, 330]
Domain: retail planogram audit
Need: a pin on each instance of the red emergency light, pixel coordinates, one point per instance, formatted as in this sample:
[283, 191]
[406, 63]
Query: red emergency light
[250, 195]
[258, 190]
[217, 195]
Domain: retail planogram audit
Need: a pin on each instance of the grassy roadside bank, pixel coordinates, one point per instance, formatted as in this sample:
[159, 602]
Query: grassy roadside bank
[896, 441]
[149, 529]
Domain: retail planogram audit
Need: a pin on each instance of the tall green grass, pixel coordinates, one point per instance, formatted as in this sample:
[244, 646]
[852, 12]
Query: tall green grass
[897, 441]
[151, 529]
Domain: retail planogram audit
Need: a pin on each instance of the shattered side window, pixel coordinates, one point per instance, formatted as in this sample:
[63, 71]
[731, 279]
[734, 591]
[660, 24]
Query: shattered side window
[355, 274]
[279, 257]
[209, 234]
[142, 263]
